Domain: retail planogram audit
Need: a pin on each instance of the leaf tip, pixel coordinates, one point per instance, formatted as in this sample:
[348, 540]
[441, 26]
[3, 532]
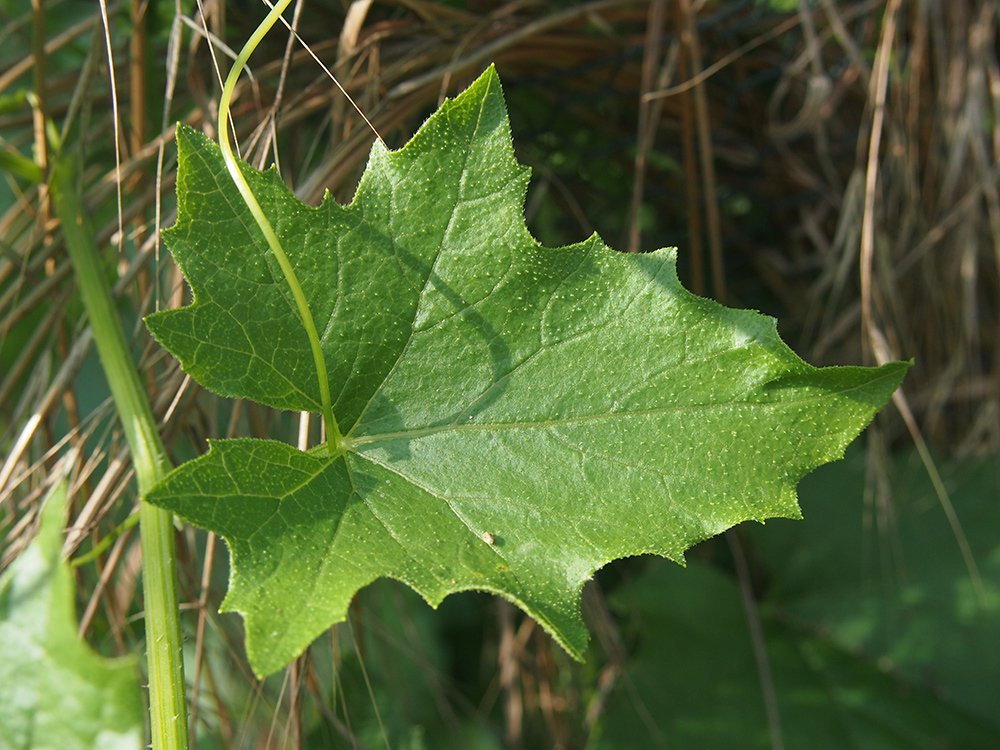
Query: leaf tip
[186, 137]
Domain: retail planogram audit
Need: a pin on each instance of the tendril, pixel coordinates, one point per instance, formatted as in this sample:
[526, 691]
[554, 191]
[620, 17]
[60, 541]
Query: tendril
[333, 434]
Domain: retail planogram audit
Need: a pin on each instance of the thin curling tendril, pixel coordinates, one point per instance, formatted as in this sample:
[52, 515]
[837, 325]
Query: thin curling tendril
[333, 434]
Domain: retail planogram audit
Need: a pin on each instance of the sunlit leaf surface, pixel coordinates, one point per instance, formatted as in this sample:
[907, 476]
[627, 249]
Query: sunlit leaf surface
[515, 416]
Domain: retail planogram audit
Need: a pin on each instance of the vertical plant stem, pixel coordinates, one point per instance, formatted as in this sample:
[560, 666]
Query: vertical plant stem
[764, 675]
[168, 711]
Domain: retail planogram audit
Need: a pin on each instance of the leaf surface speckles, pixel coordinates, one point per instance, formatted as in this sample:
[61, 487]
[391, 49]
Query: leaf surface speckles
[515, 416]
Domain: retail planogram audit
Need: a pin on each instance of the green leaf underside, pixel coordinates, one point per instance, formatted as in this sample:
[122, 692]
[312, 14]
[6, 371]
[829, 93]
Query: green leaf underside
[54, 691]
[575, 405]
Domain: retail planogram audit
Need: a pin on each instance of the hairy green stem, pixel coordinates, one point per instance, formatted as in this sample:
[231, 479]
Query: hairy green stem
[167, 707]
[333, 434]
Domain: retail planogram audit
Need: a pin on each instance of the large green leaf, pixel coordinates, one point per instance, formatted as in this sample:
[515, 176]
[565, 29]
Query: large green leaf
[693, 681]
[889, 580]
[875, 636]
[55, 693]
[515, 416]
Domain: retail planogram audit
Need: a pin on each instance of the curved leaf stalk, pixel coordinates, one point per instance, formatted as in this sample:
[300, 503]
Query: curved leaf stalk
[167, 705]
[333, 434]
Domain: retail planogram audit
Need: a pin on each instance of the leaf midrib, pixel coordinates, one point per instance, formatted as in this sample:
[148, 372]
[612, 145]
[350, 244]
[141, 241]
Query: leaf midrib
[367, 440]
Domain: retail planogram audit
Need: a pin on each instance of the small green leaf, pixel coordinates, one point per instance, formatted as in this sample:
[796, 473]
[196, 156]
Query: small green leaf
[515, 416]
[19, 165]
[55, 693]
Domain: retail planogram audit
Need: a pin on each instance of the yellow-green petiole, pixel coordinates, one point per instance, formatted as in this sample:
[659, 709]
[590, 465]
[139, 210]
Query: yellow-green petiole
[333, 434]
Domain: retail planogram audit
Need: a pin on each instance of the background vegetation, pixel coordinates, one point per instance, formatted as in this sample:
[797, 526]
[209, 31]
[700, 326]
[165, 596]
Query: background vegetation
[834, 164]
